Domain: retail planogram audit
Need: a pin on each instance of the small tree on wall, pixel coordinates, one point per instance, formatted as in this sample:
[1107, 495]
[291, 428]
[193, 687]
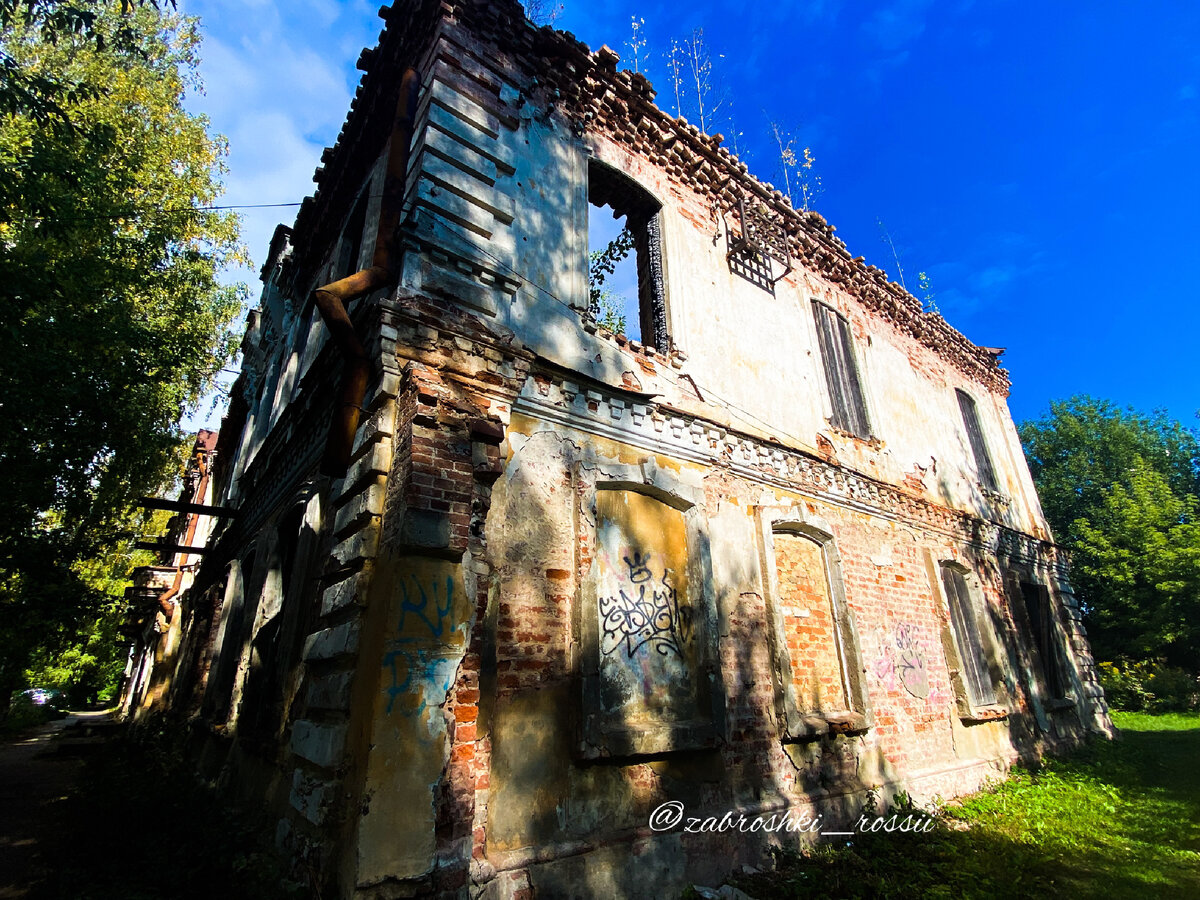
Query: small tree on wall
[603, 304]
[542, 12]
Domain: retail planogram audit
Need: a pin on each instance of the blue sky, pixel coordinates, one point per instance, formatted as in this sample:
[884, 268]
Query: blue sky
[1041, 167]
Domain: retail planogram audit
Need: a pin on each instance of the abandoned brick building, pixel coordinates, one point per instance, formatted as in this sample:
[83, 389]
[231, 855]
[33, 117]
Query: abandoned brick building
[151, 624]
[501, 582]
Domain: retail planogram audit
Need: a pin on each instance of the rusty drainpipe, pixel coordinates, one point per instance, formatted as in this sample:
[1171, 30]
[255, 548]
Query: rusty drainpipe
[333, 299]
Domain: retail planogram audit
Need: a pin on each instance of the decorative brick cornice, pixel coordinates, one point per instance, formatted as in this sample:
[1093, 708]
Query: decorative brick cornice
[633, 420]
[589, 90]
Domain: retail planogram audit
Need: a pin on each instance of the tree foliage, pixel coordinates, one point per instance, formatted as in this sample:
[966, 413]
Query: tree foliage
[116, 322]
[39, 93]
[1120, 491]
[604, 305]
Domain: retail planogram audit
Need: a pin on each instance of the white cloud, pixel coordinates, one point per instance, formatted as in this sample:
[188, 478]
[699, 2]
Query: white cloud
[278, 78]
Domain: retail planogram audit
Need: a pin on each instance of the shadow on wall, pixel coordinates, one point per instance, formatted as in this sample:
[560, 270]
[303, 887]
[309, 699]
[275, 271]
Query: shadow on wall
[586, 813]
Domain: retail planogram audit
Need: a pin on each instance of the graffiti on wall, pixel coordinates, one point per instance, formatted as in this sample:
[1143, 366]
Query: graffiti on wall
[644, 611]
[417, 663]
[645, 622]
[902, 659]
[431, 606]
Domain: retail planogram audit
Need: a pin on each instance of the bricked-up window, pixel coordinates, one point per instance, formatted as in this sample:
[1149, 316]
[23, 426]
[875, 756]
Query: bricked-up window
[1048, 653]
[818, 662]
[983, 461]
[841, 372]
[810, 625]
[648, 630]
[968, 636]
[638, 274]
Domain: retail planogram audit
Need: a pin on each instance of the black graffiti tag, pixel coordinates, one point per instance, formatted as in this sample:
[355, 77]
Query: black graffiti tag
[651, 616]
[639, 568]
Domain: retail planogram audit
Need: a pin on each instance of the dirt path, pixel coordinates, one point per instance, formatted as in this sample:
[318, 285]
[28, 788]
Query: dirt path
[37, 772]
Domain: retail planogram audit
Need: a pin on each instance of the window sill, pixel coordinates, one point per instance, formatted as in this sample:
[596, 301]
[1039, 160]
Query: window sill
[987, 714]
[871, 441]
[618, 743]
[809, 728]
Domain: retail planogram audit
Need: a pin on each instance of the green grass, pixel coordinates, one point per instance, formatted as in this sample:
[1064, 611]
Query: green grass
[1117, 820]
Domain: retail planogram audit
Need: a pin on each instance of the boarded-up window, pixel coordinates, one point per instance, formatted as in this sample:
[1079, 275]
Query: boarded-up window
[841, 373]
[967, 638]
[983, 462]
[810, 626]
[1037, 605]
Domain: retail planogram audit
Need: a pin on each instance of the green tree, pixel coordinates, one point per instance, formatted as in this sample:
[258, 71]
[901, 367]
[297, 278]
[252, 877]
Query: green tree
[605, 305]
[41, 93]
[1085, 445]
[1137, 560]
[1120, 491]
[115, 322]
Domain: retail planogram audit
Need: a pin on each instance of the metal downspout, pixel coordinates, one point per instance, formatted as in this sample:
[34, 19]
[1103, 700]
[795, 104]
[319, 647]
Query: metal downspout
[333, 299]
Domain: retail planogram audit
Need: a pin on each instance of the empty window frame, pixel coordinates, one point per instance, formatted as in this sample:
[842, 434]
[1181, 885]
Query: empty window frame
[968, 636]
[629, 291]
[841, 372]
[983, 461]
[1046, 645]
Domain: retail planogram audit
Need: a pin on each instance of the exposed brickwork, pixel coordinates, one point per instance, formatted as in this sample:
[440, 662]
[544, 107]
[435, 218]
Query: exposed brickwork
[808, 624]
[477, 466]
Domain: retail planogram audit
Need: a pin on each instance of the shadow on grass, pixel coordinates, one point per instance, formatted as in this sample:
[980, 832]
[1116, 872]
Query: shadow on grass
[1117, 820]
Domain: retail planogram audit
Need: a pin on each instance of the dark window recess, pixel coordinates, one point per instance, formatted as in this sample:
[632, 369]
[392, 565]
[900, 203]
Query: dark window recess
[966, 632]
[219, 693]
[351, 244]
[1037, 605]
[302, 333]
[645, 320]
[983, 462]
[841, 374]
[762, 243]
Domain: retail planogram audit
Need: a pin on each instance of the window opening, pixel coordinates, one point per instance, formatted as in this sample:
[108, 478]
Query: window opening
[971, 656]
[625, 273]
[351, 243]
[230, 638]
[1037, 605]
[983, 461]
[841, 373]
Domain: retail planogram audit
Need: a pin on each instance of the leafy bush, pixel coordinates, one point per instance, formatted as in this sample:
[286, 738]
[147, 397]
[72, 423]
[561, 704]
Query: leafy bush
[1149, 686]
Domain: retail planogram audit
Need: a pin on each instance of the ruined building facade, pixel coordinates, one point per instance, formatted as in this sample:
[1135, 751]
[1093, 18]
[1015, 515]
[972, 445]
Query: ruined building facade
[501, 582]
[151, 624]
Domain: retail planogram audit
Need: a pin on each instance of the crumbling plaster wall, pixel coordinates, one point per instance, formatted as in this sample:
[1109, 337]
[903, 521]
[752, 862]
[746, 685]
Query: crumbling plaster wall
[501, 206]
[440, 730]
[546, 800]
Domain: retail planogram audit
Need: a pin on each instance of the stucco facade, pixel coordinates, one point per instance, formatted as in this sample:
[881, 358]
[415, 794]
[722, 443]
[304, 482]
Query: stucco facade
[780, 550]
